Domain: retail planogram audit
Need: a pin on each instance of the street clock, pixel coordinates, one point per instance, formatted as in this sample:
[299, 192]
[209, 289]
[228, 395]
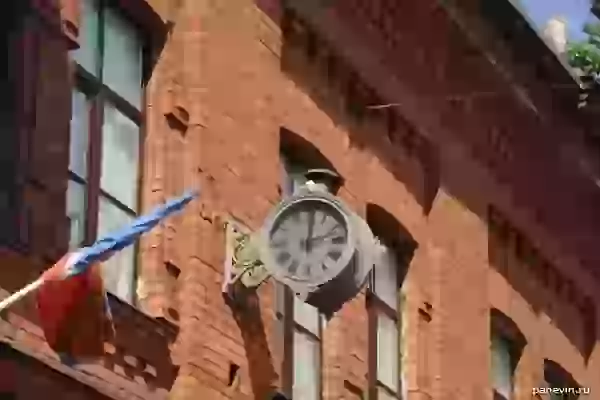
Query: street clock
[313, 243]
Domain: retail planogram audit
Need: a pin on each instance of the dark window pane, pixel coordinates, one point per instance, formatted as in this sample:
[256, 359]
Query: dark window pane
[120, 154]
[122, 69]
[119, 270]
[87, 54]
[293, 177]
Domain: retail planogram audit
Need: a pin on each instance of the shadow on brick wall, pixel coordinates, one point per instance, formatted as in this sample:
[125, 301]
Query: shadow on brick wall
[541, 284]
[9, 139]
[354, 107]
[414, 161]
[246, 310]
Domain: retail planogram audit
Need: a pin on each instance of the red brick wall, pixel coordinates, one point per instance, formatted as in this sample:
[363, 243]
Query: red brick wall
[242, 85]
[443, 83]
[226, 66]
[25, 378]
[137, 365]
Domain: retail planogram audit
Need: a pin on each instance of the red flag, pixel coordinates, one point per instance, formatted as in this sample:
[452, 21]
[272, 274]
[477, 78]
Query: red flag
[73, 310]
[72, 303]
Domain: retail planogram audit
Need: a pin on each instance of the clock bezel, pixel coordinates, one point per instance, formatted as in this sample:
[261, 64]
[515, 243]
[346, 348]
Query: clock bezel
[300, 200]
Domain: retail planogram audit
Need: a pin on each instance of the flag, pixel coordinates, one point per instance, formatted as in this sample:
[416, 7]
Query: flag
[72, 303]
[73, 310]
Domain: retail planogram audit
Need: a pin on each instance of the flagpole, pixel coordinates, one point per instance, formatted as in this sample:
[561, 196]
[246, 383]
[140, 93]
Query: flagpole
[102, 248]
[13, 298]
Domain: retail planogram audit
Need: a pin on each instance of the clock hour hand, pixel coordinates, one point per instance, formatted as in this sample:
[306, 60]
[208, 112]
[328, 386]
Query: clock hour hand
[331, 233]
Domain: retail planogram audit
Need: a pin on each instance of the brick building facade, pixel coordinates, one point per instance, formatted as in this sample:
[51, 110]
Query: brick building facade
[480, 163]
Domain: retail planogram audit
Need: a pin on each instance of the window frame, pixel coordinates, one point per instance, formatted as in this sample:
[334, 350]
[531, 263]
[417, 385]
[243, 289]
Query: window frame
[556, 376]
[505, 329]
[287, 327]
[98, 96]
[297, 328]
[507, 345]
[288, 324]
[376, 309]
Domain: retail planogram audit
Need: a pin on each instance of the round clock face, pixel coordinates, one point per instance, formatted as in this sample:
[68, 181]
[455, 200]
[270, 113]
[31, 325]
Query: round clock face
[309, 240]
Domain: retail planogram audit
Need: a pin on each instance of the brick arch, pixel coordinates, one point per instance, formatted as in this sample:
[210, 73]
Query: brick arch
[391, 232]
[538, 327]
[505, 323]
[300, 152]
[298, 149]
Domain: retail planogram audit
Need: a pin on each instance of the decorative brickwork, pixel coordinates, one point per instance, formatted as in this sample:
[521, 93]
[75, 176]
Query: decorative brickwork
[413, 118]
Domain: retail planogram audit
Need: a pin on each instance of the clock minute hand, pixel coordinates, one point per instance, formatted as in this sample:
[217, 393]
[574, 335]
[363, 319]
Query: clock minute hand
[309, 238]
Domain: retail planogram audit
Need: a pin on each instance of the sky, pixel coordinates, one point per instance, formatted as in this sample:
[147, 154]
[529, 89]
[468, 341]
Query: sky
[576, 12]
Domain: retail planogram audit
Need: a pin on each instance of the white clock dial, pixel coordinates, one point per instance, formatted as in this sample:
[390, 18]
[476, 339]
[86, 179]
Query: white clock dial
[308, 240]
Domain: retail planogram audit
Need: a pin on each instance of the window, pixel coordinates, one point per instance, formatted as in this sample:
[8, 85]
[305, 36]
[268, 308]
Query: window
[299, 156]
[396, 249]
[557, 377]
[293, 177]
[506, 347]
[384, 331]
[300, 337]
[502, 371]
[307, 351]
[301, 324]
[105, 136]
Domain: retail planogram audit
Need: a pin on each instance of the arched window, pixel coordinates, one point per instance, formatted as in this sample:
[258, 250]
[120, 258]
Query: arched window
[300, 324]
[556, 377]
[383, 302]
[506, 346]
[298, 156]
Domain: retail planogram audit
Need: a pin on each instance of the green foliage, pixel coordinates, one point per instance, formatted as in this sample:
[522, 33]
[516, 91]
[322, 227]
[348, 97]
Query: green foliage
[585, 55]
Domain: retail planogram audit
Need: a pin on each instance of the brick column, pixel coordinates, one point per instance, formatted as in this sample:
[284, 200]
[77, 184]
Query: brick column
[198, 229]
[159, 273]
[44, 130]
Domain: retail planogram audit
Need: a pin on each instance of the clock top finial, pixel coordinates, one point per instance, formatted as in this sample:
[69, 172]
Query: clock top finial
[323, 179]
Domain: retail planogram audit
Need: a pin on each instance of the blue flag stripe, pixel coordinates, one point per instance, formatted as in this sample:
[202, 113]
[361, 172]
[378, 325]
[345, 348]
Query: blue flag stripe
[127, 236]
